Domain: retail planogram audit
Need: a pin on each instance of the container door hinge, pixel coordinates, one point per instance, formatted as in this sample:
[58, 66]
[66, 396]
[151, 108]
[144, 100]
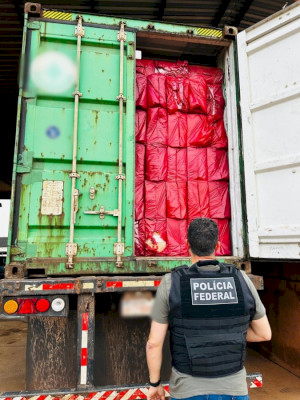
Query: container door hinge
[102, 212]
[71, 251]
[79, 30]
[119, 248]
[122, 34]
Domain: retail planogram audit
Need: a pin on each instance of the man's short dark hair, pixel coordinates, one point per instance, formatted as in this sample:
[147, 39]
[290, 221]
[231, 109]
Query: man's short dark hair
[203, 236]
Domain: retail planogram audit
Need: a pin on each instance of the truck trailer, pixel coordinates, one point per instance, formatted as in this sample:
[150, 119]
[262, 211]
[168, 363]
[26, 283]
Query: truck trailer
[72, 265]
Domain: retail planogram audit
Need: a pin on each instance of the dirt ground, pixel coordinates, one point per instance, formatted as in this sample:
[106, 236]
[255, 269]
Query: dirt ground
[278, 383]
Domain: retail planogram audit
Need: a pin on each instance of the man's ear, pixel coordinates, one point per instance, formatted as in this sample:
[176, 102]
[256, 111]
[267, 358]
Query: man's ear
[218, 246]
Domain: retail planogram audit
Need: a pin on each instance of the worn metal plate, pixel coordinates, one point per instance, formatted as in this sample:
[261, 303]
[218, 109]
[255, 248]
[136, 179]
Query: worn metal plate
[52, 198]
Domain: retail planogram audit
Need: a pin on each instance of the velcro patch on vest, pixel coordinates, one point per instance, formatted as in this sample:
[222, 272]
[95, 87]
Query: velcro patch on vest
[208, 291]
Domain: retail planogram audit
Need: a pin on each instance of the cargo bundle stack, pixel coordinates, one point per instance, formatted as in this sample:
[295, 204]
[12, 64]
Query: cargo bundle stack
[181, 156]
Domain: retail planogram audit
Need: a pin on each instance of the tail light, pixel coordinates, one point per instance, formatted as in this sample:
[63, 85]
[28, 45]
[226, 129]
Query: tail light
[50, 306]
[58, 304]
[11, 306]
[42, 305]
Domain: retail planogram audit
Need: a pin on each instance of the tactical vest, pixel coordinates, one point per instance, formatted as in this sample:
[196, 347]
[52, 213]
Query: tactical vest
[210, 312]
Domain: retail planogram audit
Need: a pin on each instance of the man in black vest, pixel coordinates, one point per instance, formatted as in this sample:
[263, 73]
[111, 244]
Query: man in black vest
[212, 310]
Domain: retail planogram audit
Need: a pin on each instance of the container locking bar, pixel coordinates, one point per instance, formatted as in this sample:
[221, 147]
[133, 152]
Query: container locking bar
[119, 245]
[102, 212]
[71, 247]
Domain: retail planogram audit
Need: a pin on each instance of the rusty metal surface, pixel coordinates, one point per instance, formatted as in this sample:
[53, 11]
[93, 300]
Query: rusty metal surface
[51, 353]
[121, 343]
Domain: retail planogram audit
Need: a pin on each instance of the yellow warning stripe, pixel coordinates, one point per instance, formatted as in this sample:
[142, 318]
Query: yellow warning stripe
[208, 32]
[57, 15]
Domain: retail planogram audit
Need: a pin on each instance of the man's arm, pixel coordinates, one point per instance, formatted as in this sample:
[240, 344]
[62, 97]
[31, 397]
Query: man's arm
[154, 357]
[259, 330]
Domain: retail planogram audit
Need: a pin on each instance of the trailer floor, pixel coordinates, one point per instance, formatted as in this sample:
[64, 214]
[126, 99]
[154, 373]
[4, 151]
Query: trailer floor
[278, 383]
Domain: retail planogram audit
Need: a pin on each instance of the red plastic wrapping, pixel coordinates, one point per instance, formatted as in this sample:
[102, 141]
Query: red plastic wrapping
[199, 130]
[224, 237]
[177, 164]
[212, 75]
[156, 163]
[176, 200]
[217, 165]
[157, 126]
[141, 91]
[197, 95]
[177, 236]
[156, 237]
[140, 126]
[139, 237]
[179, 68]
[139, 200]
[197, 163]
[145, 67]
[156, 91]
[219, 136]
[215, 101]
[155, 200]
[140, 152]
[198, 200]
[177, 94]
[177, 130]
[219, 203]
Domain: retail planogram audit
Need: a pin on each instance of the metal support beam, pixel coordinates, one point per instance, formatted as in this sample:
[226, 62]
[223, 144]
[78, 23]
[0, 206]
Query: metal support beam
[161, 10]
[220, 13]
[85, 340]
[241, 14]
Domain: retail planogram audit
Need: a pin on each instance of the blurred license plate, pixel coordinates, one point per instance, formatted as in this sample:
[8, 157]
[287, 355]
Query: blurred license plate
[136, 306]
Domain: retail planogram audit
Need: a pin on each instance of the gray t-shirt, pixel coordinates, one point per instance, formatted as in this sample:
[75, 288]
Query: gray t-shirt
[183, 385]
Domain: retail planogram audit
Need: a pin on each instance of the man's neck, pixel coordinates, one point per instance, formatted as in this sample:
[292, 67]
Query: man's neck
[195, 259]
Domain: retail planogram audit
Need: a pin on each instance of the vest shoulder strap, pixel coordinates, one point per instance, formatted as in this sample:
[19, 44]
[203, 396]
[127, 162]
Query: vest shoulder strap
[228, 268]
[181, 270]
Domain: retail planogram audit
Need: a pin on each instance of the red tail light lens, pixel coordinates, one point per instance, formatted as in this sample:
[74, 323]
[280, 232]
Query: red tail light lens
[42, 305]
[26, 306]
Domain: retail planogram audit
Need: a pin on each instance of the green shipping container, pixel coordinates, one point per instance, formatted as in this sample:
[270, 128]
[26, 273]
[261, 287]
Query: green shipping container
[41, 236]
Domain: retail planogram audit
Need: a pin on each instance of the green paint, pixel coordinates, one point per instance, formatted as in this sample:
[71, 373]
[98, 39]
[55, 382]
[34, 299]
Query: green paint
[41, 239]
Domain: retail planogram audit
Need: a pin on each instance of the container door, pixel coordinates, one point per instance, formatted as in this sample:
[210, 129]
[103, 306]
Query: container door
[269, 60]
[48, 130]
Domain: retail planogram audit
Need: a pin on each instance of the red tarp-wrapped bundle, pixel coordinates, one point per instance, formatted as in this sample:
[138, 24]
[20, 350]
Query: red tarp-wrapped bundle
[197, 95]
[215, 101]
[141, 91]
[177, 94]
[219, 203]
[140, 126]
[140, 162]
[177, 130]
[157, 126]
[139, 200]
[219, 136]
[212, 75]
[156, 91]
[177, 164]
[217, 165]
[177, 235]
[199, 130]
[139, 237]
[197, 163]
[224, 237]
[145, 67]
[156, 237]
[176, 200]
[179, 68]
[155, 200]
[156, 162]
[198, 200]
